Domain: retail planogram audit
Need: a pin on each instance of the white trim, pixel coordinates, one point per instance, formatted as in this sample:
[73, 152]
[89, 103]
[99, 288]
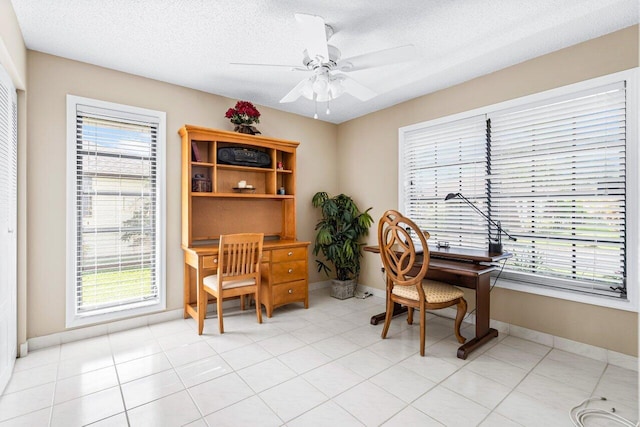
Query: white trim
[633, 180]
[628, 304]
[72, 318]
[37, 343]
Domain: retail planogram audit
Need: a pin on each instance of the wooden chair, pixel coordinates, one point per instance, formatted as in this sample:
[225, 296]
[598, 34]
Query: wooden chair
[238, 273]
[406, 285]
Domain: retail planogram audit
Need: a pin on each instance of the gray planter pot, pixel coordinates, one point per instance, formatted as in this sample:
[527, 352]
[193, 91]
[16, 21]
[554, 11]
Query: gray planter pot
[343, 289]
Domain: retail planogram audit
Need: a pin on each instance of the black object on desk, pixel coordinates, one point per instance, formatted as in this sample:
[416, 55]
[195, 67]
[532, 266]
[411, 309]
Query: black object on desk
[495, 244]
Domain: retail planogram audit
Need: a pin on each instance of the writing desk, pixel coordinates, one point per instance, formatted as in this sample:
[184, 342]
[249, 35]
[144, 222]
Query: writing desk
[468, 268]
[283, 271]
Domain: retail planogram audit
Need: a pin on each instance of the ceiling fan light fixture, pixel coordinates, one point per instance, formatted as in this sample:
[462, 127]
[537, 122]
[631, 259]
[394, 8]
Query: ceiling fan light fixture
[323, 97]
[321, 84]
[307, 89]
[336, 88]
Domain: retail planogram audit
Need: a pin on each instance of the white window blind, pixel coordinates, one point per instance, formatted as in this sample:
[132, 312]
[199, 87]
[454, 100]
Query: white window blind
[552, 171]
[446, 158]
[117, 190]
[558, 183]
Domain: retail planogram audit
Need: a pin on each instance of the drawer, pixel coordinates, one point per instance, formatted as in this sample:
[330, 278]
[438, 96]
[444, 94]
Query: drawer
[280, 255]
[289, 292]
[288, 271]
[210, 261]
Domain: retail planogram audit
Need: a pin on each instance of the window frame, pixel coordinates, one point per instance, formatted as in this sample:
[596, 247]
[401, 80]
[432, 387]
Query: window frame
[73, 317]
[632, 183]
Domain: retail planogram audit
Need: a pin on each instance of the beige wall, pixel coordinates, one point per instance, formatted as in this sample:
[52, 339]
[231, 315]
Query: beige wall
[368, 156]
[50, 79]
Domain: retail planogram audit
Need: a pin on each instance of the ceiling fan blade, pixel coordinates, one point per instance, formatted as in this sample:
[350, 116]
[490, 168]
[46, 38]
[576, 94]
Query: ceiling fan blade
[390, 56]
[294, 93]
[289, 67]
[356, 89]
[314, 35]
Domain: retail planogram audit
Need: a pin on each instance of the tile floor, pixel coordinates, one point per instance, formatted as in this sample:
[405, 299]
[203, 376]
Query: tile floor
[325, 366]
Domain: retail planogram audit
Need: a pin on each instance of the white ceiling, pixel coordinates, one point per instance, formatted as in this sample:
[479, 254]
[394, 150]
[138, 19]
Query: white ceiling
[191, 43]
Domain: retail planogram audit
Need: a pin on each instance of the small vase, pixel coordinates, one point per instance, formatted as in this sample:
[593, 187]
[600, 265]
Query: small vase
[245, 128]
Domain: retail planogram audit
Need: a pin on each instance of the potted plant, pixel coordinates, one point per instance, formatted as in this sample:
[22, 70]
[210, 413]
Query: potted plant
[338, 235]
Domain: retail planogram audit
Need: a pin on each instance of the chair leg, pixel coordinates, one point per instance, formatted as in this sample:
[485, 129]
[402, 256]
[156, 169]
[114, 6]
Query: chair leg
[201, 305]
[258, 308]
[462, 310]
[219, 309]
[423, 329]
[242, 302]
[410, 315]
[387, 317]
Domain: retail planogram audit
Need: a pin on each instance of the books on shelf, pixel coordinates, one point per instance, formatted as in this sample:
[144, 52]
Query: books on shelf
[195, 153]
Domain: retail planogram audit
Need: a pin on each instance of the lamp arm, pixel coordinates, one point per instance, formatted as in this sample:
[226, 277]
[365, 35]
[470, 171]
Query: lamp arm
[496, 225]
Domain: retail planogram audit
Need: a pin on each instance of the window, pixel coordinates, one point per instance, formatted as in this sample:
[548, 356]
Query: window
[554, 169]
[442, 159]
[115, 211]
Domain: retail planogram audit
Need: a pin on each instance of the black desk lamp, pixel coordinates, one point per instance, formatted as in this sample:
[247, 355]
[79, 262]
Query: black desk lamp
[495, 245]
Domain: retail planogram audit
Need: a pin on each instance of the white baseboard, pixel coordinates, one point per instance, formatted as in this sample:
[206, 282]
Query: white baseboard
[98, 330]
[598, 353]
[586, 350]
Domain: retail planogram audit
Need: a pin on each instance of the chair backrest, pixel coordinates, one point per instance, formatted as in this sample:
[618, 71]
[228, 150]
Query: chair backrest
[239, 255]
[396, 234]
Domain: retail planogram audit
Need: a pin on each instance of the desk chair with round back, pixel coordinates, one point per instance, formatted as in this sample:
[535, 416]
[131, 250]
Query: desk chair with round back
[406, 285]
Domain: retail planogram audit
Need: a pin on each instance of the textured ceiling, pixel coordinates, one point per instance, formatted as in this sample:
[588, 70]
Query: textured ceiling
[192, 43]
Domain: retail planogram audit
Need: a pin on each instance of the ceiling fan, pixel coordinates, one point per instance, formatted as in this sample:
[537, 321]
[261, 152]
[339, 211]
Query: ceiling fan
[328, 80]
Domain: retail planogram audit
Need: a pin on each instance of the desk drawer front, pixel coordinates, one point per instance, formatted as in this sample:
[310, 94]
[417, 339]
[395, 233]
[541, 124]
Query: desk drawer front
[280, 255]
[210, 261]
[289, 292]
[289, 271]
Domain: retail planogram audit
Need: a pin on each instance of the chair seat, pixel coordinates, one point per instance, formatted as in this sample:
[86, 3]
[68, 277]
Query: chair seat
[434, 291]
[212, 282]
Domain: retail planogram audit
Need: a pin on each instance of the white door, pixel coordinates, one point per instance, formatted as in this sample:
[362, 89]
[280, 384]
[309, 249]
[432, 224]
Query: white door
[8, 223]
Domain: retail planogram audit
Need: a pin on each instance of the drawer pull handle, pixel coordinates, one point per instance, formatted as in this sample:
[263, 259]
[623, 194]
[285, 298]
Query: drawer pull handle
[290, 291]
[291, 270]
[290, 253]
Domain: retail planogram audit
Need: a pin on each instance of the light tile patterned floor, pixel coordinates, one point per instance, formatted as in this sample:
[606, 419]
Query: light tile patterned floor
[325, 366]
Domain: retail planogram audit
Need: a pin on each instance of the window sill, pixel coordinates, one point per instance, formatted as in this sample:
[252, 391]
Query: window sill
[629, 304]
[115, 314]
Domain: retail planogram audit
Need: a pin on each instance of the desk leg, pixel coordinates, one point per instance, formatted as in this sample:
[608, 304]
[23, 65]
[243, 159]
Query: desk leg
[186, 283]
[483, 313]
[201, 298]
[397, 309]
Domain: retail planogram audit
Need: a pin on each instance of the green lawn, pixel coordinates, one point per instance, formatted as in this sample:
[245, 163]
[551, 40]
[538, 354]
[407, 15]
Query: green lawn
[111, 286]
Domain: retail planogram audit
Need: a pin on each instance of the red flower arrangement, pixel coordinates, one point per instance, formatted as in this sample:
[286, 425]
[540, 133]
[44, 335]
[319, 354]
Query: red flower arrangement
[244, 113]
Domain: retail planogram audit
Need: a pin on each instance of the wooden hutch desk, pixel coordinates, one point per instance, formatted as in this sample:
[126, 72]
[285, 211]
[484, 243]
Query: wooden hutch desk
[213, 204]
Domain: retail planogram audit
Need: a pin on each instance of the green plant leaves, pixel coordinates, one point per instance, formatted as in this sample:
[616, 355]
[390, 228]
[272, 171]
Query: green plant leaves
[338, 234]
